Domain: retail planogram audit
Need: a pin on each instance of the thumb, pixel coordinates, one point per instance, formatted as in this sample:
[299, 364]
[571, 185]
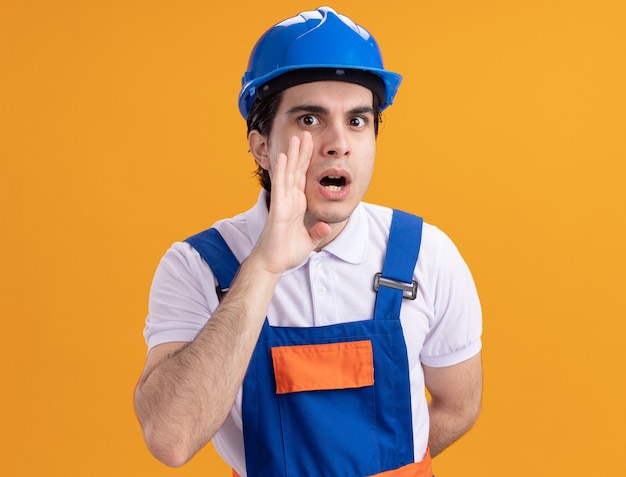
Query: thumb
[319, 232]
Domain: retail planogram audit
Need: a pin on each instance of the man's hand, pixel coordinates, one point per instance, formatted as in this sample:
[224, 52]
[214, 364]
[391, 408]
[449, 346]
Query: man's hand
[285, 240]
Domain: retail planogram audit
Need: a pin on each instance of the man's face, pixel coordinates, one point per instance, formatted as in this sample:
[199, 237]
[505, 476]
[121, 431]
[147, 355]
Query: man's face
[340, 118]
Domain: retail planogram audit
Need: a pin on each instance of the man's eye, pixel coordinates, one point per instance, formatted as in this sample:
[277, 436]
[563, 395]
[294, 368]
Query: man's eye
[357, 122]
[309, 120]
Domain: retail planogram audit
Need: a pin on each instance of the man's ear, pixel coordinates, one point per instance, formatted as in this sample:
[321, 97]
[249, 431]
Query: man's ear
[259, 149]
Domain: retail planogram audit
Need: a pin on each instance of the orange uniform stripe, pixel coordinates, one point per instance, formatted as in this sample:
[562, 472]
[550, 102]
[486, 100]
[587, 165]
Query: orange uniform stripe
[417, 469]
[323, 366]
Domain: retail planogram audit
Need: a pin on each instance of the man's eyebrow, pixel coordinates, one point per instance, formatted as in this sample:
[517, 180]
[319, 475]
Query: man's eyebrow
[314, 108]
[362, 110]
[307, 108]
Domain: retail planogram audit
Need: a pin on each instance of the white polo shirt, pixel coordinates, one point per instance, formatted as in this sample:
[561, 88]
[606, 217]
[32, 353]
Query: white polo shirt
[442, 327]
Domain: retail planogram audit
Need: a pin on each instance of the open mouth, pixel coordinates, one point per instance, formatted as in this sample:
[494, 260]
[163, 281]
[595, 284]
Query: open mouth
[333, 183]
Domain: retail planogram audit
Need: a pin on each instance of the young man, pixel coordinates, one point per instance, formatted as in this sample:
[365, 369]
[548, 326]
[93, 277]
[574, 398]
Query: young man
[299, 336]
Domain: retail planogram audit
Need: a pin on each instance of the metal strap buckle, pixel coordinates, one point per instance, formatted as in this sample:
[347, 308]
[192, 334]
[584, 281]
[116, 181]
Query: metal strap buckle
[221, 292]
[409, 290]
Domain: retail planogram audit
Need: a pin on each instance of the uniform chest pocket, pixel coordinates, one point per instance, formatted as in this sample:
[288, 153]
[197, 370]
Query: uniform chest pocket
[327, 402]
[319, 367]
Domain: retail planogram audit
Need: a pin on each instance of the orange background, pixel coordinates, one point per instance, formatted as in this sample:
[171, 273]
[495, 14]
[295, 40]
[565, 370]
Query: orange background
[119, 134]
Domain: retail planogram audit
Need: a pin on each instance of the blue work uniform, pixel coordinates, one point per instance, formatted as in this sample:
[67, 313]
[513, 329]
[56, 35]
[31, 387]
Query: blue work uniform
[332, 400]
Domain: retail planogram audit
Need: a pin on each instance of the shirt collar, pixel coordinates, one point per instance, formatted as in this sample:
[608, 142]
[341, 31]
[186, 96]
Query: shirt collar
[350, 245]
[257, 216]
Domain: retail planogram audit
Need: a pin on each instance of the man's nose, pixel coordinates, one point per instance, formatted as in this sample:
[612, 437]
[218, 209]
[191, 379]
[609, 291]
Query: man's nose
[336, 143]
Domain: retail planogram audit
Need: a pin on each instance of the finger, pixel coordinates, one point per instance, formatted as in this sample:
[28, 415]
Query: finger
[319, 232]
[293, 159]
[280, 166]
[305, 155]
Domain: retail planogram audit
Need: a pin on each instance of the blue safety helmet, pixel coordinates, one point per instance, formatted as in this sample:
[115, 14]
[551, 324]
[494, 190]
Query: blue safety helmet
[312, 46]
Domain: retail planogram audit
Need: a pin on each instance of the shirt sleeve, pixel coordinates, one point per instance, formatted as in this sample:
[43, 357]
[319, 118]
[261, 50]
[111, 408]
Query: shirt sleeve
[182, 297]
[456, 327]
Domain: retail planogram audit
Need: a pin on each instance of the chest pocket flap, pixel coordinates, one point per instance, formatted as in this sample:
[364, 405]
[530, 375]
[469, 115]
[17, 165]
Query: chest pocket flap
[327, 366]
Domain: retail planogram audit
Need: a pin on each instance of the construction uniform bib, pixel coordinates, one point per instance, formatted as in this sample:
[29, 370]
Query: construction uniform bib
[332, 401]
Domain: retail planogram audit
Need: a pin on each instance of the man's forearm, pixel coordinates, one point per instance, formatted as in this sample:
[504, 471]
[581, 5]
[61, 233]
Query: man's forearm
[456, 396]
[448, 425]
[183, 400]
[184, 397]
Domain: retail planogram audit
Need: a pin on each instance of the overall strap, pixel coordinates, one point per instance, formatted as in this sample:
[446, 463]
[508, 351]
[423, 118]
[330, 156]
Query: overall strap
[396, 280]
[217, 254]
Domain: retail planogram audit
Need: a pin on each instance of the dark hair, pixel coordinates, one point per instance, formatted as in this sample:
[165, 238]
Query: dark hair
[261, 118]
